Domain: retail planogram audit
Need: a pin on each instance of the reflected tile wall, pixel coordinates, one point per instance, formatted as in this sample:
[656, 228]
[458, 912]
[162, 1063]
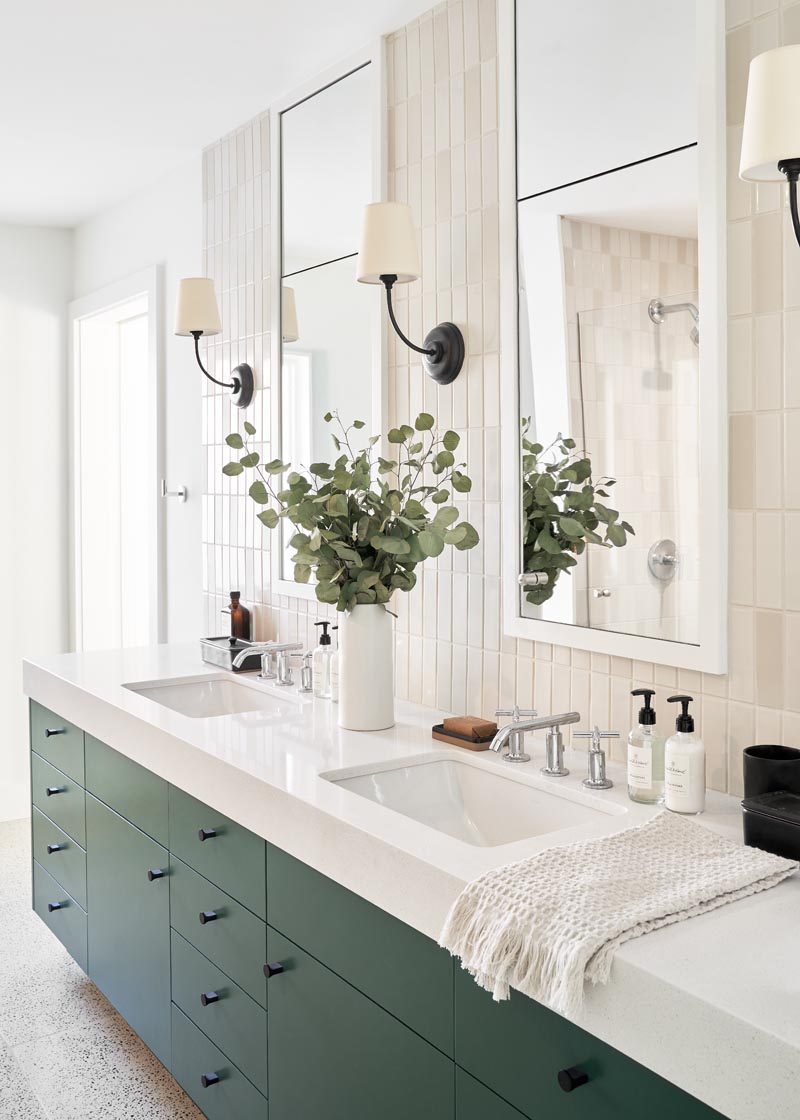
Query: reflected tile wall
[451, 652]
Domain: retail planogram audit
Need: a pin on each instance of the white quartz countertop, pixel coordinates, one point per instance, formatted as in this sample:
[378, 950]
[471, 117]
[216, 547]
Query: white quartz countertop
[711, 1004]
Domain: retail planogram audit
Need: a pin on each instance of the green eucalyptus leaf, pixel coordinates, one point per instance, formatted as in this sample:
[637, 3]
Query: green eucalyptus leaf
[337, 505]
[258, 492]
[250, 460]
[617, 535]
[470, 537]
[424, 422]
[232, 469]
[395, 546]
[451, 440]
[461, 483]
[446, 516]
[249, 428]
[430, 542]
[268, 517]
[395, 436]
[570, 526]
[234, 440]
[359, 424]
[327, 592]
[302, 573]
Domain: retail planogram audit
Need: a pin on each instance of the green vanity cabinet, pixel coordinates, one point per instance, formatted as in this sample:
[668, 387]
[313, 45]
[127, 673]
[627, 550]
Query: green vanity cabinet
[518, 1047]
[60, 913]
[407, 974]
[128, 919]
[215, 1084]
[475, 1102]
[57, 740]
[137, 794]
[333, 1053]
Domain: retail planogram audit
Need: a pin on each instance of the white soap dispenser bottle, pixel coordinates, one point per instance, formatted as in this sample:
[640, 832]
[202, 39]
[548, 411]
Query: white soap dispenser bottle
[646, 755]
[321, 663]
[685, 764]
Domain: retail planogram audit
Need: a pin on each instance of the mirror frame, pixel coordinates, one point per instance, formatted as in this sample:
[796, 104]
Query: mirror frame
[374, 54]
[710, 654]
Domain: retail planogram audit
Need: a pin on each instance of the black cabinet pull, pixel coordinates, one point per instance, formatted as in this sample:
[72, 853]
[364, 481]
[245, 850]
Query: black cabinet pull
[155, 873]
[209, 1079]
[572, 1078]
[273, 969]
[50, 790]
[51, 848]
[51, 906]
[48, 731]
[206, 833]
[209, 997]
[208, 916]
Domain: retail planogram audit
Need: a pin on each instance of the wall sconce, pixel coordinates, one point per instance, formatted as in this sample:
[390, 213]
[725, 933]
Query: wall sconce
[771, 138]
[389, 256]
[289, 329]
[196, 314]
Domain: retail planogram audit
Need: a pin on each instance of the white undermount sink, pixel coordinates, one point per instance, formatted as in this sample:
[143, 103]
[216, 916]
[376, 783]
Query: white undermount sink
[204, 697]
[473, 802]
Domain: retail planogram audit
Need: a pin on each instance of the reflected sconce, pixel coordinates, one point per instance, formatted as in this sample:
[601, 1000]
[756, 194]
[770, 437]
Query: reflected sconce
[389, 256]
[196, 314]
[771, 137]
[289, 329]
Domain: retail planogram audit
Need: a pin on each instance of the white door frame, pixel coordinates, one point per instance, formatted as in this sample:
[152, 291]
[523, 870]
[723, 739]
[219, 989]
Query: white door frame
[144, 283]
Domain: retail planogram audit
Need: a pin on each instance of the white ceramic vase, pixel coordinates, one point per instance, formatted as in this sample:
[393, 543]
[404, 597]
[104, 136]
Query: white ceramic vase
[366, 668]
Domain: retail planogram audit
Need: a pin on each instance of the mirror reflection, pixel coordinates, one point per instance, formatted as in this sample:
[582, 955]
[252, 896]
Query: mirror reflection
[327, 318]
[610, 334]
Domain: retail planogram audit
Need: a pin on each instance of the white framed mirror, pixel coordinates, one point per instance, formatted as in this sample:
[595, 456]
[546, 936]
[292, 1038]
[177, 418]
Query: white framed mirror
[612, 188]
[327, 160]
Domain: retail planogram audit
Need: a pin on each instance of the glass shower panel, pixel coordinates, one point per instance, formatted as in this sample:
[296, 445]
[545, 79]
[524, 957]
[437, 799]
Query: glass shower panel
[639, 366]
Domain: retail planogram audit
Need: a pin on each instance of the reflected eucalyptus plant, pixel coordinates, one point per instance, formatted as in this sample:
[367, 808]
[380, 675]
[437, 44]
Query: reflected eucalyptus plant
[561, 513]
[364, 522]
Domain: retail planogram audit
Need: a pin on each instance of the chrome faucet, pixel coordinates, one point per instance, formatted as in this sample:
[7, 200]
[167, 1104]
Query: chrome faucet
[597, 779]
[269, 657]
[513, 736]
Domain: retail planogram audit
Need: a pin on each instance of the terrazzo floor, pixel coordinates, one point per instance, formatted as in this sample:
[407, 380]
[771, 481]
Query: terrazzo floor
[65, 1053]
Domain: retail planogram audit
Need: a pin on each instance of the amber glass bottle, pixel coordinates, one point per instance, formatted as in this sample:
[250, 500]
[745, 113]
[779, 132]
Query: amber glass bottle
[240, 618]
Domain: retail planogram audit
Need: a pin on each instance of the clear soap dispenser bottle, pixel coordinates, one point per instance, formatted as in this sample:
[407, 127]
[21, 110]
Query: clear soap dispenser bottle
[685, 763]
[321, 663]
[646, 755]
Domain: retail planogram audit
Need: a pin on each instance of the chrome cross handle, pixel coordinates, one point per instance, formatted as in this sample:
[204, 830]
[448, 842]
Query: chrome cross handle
[597, 757]
[515, 738]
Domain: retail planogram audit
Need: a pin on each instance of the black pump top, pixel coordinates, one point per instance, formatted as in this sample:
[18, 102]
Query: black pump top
[684, 722]
[235, 594]
[324, 638]
[647, 715]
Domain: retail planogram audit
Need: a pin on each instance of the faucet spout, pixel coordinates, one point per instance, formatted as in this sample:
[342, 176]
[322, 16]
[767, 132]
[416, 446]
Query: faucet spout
[505, 737]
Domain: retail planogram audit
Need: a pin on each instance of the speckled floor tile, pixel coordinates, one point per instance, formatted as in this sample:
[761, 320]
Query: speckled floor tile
[39, 1004]
[102, 1072]
[17, 1099]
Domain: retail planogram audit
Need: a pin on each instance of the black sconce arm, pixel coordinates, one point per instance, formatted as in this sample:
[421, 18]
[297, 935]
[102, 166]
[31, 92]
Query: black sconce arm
[791, 169]
[243, 384]
[235, 384]
[443, 352]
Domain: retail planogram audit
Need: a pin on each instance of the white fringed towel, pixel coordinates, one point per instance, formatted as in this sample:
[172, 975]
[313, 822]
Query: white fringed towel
[550, 922]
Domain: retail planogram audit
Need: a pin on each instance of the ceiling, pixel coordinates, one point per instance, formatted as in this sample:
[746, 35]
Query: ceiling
[101, 99]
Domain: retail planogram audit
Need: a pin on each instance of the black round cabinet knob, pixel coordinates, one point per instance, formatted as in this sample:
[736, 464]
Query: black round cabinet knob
[51, 848]
[51, 906]
[209, 997]
[208, 916]
[273, 969]
[572, 1078]
[206, 833]
[155, 873]
[209, 1079]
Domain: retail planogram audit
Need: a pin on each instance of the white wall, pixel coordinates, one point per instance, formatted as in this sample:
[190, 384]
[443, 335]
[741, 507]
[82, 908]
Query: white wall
[162, 226]
[35, 283]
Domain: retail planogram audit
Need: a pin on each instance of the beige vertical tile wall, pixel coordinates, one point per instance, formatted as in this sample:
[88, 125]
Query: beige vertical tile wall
[451, 651]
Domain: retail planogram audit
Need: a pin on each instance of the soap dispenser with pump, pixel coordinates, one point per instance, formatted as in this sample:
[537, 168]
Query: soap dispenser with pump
[321, 663]
[646, 755]
[685, 763]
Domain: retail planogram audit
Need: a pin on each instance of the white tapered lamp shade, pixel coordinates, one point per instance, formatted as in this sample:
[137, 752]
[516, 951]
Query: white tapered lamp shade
[289, 331]
[196, 307]
[772, 115]
[388, 244]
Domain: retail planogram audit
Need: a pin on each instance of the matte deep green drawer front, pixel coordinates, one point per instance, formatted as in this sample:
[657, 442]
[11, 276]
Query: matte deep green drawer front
[334, 1054]
[138, 795]
[214, 1083]
[391, 963]
[228, 1016]
[57, 740]
[62, 857]
[518, 1047]
[66, 920]
[59, 797]
[129, 923]
[228, 934]
[475, 1102]
[229, 855]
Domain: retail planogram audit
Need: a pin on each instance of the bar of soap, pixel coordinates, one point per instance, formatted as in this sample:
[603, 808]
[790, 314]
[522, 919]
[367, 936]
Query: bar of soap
[470, 727]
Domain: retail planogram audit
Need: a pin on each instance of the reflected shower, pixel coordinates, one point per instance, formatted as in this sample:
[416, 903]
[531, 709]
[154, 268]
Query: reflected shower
[658, 311]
